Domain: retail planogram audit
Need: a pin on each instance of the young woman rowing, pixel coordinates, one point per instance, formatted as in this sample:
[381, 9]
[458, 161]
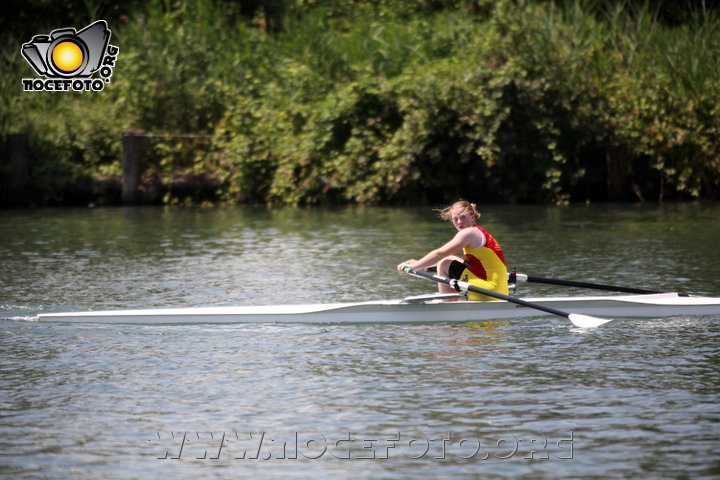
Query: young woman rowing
[483, 262]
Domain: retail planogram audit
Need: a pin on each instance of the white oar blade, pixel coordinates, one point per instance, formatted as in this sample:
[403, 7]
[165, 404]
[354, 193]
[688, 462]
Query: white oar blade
[586, 321]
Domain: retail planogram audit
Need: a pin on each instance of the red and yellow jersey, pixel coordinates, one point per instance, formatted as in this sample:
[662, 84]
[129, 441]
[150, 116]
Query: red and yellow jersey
[487, 267]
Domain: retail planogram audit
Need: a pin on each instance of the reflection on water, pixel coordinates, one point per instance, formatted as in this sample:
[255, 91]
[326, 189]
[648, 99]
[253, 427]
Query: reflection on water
[486, 336]
[539, 398]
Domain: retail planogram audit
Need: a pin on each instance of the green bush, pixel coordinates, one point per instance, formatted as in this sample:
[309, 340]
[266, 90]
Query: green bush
[387, 101]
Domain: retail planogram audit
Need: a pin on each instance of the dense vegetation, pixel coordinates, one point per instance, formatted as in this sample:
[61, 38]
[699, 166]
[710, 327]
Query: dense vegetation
[383, 101]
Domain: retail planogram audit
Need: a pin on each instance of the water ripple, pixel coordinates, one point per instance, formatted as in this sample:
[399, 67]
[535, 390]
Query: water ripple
[528, 398]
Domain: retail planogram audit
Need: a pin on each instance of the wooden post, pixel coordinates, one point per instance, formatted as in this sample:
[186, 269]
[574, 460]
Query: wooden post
[133, 150]
[617, 172]
[17, 169]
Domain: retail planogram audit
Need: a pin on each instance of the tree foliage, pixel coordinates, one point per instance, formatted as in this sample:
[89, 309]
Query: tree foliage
[388, 101]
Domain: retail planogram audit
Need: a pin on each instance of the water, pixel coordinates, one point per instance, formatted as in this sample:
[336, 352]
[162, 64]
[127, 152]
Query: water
[528, 398]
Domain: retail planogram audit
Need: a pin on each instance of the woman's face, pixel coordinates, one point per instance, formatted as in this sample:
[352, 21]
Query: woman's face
[462, 219]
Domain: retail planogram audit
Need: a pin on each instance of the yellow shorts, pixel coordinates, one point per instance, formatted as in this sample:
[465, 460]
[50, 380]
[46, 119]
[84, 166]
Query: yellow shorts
[498, 282]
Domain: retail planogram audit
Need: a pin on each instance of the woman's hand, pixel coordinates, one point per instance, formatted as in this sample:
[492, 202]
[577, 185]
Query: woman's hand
[407, 263]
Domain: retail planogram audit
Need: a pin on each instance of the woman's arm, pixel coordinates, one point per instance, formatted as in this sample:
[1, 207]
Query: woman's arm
[464, 237]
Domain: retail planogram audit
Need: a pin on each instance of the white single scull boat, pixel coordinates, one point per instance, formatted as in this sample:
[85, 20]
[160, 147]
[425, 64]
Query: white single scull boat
[421, 309]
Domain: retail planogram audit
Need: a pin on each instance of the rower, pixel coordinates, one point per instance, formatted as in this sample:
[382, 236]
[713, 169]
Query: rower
[482, 263]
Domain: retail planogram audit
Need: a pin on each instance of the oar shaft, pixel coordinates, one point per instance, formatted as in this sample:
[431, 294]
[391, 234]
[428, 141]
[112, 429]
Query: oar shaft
[571, 283]
[457, 284]
[582, 321]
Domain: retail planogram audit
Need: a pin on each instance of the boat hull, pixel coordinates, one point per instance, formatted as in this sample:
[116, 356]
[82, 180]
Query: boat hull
[400, 311]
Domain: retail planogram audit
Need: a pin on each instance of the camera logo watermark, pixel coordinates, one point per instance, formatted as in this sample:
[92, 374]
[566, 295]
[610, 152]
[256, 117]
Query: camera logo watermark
[68, 59]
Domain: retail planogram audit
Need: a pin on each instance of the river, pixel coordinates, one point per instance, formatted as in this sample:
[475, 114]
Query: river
[527, 398]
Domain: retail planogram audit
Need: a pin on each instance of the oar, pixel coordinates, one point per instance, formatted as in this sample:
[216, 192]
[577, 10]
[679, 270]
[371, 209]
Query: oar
[582, 321]
[571, 283]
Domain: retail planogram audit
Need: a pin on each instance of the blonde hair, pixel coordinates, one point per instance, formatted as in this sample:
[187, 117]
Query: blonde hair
[467, 207]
